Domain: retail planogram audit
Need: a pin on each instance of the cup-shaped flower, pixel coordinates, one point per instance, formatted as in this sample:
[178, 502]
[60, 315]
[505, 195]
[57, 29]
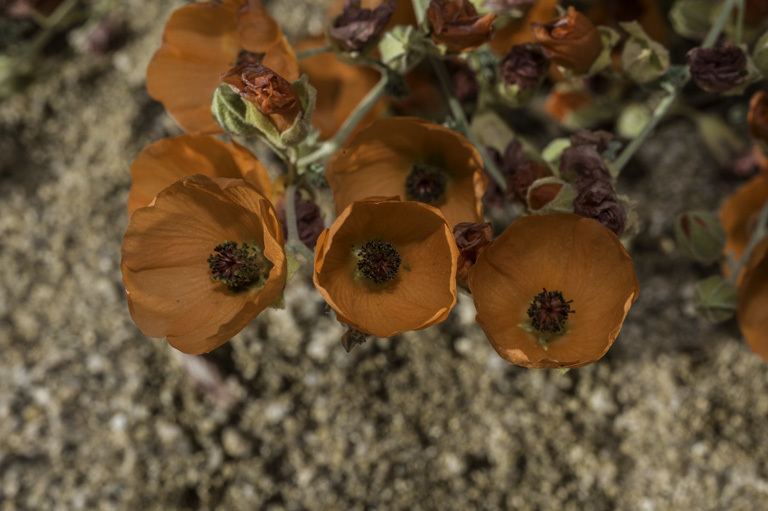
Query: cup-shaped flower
[415, 160]
[387, 266]
[456, 24]
[201, 41]
[752, 312]
[340, 87]
[201, 261]
[571, 41]
[162, 163]
[553, 290]
[740, 213]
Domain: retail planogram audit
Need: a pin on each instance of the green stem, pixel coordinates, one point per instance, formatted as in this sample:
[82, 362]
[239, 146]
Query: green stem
[722, 19]
[331, 146]
[757, 236]
[294, 242]
[458, 114]
[311, 52]
[658, 114]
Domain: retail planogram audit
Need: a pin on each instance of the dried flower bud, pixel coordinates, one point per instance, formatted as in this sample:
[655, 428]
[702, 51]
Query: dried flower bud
[523, 177]
[757, 117]
[272, 94]
[643, 58]
[356, 28]
[700, 236]
[309, 221]
[571, 41]
[598, 200]
[457, 25]
[463, 79]
[715, 298]
[718, 70]
[471, 239]
[583, 163]
[599, 139]
[524, 65]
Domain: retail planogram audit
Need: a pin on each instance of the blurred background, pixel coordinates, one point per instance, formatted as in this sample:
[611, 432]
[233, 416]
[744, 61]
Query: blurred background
[93, 415]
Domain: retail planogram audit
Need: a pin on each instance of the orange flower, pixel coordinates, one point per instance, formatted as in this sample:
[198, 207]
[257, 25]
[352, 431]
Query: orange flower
[757, 117]
[202, 41]
[571, 41]
[553, 290]
[739, 215]
[519, 31]
[752, 309]
[456, 24]
[203, 260]
[162, 163]
[340, 88]
[399, 273]
[414, 159]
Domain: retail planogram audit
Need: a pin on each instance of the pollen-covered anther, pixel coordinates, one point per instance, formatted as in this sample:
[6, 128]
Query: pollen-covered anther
[426, 183]
[549, 312]
[238, 267]
[378, 261]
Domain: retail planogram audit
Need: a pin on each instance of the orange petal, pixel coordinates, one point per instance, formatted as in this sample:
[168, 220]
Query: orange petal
[739, 215]
[378, 159]
[558, 252]
[257, 31]
[199, 44]
[167, 160]
[519, 31]
[753, 301]
[424, 290]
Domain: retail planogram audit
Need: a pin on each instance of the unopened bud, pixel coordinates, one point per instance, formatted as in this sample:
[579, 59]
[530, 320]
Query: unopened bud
[700, 236]
[356, 28]
[471, 239]
[690, 18]
[643, 59]
[456, 25]
[718, 70]
[229, 109]
[716, 299]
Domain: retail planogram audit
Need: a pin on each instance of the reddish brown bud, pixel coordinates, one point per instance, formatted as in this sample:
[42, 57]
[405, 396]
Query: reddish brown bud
[583, 163]
[599, 139]
[272, 94]
[457, 25]
[523, 178]
[598, 200]
[718, 70]
[757, 118]
[471, 240]
[356, 28]
[571, 41]
[524, 65]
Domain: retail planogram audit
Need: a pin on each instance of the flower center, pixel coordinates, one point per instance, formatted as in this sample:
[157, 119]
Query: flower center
[549, 312]
[378, 261]
[425, 183]
[239, 267]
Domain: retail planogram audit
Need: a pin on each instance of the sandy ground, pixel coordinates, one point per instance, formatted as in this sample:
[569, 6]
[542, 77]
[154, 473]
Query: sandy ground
[93, 415]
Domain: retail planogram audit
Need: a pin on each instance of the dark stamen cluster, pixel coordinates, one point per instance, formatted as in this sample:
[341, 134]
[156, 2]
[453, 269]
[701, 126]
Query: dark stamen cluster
[425, 183]
[378, 261]
[549, 312]
[239, 268]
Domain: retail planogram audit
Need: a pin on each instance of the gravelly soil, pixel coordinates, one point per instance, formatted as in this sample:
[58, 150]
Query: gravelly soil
[93, 415]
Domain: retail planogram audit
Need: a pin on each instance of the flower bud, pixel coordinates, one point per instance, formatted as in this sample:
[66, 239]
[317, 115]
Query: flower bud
[402, 48]
[571, 41]
[690, 18]
[598, 200]
[718, 70]
[471, 239]
[457, 25]
[715, 298]
[229, 110]
[583, 163]
[272, 94]
[757, 117]
[642, 58]
[700, 236]
[355, 28]
[524, 65]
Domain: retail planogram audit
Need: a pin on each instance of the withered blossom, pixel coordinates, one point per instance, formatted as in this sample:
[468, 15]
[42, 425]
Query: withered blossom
[718, 70]
[583, 163]
[272, 94]
[598, 200]
[524, 65]
[599, 139]
[757, 117]
[571, 41]
[457, 25]
[471, 239]
[355, 28]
